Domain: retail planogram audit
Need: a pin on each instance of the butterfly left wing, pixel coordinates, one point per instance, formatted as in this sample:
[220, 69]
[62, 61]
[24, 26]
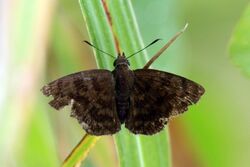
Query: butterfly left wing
[92, 94]
[156, 96]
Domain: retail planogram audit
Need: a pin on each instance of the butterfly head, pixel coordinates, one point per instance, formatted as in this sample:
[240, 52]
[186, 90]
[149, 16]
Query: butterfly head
[121, 60]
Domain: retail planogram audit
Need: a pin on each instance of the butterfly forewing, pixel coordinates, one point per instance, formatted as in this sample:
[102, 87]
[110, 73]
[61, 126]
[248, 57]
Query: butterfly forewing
[92, 94]
[156, 96]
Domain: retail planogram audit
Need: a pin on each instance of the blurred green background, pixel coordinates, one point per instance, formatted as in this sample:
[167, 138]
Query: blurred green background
[40, 40]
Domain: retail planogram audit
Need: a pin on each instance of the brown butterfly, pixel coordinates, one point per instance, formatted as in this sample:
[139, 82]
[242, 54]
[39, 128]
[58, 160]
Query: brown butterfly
[142, 99]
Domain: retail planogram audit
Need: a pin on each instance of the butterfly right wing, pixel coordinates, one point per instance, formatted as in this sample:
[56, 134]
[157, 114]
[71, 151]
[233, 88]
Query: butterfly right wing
[158, 95]
[92, 94]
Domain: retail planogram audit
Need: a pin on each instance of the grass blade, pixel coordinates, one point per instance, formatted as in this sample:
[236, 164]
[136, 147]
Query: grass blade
[150, 150]
[134, 150]
[80, 152]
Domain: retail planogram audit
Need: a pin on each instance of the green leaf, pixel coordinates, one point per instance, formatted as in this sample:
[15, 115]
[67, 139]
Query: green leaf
[80, 151]
[240, 43]
[133, 150]
[99, 31]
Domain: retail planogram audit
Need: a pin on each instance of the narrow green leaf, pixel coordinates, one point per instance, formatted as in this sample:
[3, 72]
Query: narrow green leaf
[240, 43]
[133, 150]
[80, 151]
[136, 150]
[99, 31]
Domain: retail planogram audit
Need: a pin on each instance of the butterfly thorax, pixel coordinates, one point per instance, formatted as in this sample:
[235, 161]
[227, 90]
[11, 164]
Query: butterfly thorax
[123, 86]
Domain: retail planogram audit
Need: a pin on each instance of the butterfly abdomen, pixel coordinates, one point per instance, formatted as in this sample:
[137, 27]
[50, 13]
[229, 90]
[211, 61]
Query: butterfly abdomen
[123, 86]
[122, 105]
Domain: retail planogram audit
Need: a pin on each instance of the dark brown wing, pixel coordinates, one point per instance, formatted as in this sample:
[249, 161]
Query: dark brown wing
[92, 94]
[158, 95]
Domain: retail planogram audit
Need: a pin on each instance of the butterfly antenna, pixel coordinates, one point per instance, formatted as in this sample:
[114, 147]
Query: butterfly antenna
[144, 48]
[165, 47]
[87, 42]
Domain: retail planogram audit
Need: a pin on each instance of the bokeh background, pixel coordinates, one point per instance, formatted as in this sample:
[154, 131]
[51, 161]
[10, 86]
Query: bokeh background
[40, 40]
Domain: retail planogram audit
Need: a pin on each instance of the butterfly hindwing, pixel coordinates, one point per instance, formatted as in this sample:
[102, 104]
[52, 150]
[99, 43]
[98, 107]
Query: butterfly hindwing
[156, 96]
[92, 95]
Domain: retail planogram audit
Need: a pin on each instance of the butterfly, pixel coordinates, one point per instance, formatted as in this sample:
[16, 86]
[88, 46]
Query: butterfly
[142, 99]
